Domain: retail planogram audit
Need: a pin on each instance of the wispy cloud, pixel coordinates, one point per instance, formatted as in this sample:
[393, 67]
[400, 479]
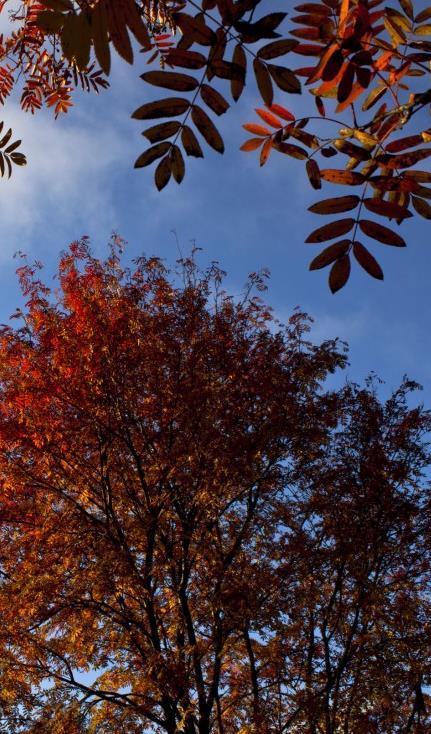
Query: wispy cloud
[67, 183]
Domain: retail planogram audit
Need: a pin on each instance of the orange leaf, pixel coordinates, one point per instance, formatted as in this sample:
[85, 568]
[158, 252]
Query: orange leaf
[282, 112]
[266, 150]
[256, 129]
[252, 144]
[269, 118]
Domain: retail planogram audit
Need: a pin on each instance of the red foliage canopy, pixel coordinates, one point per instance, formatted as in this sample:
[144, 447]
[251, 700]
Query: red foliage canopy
[196, 535]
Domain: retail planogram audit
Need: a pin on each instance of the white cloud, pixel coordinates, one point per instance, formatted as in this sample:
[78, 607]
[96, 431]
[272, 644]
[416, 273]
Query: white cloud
[68, 179]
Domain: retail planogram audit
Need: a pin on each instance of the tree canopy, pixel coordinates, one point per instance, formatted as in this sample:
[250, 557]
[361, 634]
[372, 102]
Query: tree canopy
[196, 533]
[366, 66]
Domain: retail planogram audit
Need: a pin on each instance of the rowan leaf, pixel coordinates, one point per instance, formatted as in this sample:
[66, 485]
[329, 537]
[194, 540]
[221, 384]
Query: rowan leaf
[256, 129]
[294, 151]
[162, 108]
[177, 164]
[411, 141]
[374, 96]
[276, 48]
[339, 273]
[252, 144]
[263, 80]
[269, 118]
[380, 233]
[164, 130]
[190, 142]
[239, 59]
[150, 155]
[329, 254]
[100, 36]
[162, 173]
[282, 112]
[117, 31]
[334, 175]
[367, 261]
[387, 209]
[352, 150]
[265, 152]
[331, 230]
[285, 79]
[423, 30]
[335, 205]
[313, 173]
[227, 70]
[214, 99]
[194, 28]
[407, 6]
[186, 59]
[170, 80]
[207, 129]
[423, 15]
[422, 207]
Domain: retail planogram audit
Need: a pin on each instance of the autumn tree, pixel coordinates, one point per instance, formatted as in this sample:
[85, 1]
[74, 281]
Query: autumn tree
[366, 66]
[196, 535]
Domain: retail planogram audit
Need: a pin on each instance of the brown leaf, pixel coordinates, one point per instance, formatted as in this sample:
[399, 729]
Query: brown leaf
[263, 80]
[403, 143]
[295, 151]
[367, 261]
[100, 36]
[407, 6]
[162, 173]
[313, 173]
[422, 207]
[333, 175]
[285, 79]
[329, 254]
[177, 164]
[207, 129]
[162, 108]
[336, 205]
[346, 83]
[190, 142]
[194, 28]
[214, 99]
[150, 155]
[170, 80]
[380, 233]
[227, 70]
[352, 150]
[276, 48]
[387, 209]
[118, 31]
[186, 59]
[339, 273]
[237, 85]
[162, 131]
[331, 230]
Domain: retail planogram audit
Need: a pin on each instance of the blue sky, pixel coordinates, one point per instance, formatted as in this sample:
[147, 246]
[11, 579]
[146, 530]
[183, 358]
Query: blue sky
[80, 180]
